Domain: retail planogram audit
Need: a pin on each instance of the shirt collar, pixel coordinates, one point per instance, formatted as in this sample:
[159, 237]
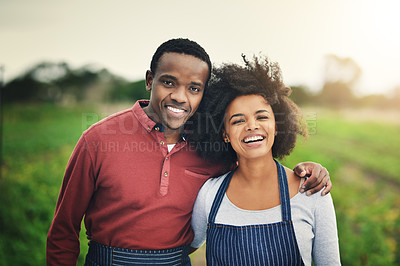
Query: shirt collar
[146, 122]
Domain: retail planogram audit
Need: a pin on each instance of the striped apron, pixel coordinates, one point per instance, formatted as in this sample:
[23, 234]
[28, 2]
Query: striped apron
[109, 256]
[264, 244]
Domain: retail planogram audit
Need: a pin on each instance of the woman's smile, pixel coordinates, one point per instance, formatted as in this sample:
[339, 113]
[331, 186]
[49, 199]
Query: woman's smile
[253, 140]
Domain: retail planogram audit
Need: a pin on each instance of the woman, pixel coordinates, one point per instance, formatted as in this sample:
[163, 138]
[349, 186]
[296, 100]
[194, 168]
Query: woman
[254, 214]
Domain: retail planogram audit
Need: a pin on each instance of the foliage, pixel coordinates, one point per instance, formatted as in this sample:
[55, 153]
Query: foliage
[341, 70]
[376, 101]
[38, 139]
[397, 240]
[129, 91]
[58, 82]
[336, 94]
[301, 95]
[361, 157]
[340, 95]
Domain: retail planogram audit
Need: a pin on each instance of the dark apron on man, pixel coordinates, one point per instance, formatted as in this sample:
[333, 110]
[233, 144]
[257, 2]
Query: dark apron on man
[263, 244]
[109, 256]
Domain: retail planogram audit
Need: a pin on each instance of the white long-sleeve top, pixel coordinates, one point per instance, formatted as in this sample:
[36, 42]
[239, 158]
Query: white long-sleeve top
[313, 219]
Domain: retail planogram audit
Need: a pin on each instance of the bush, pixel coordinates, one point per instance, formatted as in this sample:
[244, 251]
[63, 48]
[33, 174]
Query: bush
[130, 91]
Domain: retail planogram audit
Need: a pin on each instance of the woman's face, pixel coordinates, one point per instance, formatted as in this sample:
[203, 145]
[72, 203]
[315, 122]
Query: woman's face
[250, 126]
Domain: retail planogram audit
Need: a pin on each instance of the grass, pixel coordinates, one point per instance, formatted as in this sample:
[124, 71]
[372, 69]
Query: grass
[361, 156]
[38, 141]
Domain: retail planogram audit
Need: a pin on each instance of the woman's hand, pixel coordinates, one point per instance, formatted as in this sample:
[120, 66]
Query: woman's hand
[318, 177]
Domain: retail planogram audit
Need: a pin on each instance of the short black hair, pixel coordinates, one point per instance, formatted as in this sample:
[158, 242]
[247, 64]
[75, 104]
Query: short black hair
[181, 46]
[229, 81]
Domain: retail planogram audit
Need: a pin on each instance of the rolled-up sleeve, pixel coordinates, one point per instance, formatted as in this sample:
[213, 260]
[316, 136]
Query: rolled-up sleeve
[63, 245]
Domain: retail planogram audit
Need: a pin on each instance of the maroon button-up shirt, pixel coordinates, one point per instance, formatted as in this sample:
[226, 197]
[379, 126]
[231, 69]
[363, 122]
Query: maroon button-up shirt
[133, 193]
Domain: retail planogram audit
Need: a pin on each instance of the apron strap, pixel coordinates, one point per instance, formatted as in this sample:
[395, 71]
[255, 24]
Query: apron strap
[220, 195]
[283, 193]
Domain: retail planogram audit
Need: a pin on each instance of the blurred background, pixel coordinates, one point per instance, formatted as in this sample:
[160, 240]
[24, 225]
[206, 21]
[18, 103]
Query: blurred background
[64, 65]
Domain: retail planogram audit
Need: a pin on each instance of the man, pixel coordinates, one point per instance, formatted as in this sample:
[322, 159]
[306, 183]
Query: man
[134, 175]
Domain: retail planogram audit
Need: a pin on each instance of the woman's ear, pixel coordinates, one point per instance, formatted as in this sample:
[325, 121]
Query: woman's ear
[225, 137]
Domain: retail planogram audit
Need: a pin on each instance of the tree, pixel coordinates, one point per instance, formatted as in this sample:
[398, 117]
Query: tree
[341, 75]
[130, 91]
[336, 94]
[39, 83]
[301, 95]
[24, 88]
[56, 82]
[341, 70]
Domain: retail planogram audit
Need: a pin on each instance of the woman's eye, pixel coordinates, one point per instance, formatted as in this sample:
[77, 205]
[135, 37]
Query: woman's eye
[262, 117]
[237, 122]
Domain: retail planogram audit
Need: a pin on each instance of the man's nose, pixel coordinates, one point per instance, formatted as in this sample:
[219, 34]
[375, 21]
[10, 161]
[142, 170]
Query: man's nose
[179, 94]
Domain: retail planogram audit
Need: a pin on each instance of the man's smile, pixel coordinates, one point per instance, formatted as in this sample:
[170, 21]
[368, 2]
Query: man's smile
[176, 111]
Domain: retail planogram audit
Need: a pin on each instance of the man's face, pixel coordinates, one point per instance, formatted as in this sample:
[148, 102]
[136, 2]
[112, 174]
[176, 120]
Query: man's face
[176, 88]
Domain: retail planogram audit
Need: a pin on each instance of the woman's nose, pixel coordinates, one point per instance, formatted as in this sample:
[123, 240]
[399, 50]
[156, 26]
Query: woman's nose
[251, 125]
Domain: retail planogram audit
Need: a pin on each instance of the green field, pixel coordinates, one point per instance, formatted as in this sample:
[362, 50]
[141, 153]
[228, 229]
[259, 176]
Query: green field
[362, 155]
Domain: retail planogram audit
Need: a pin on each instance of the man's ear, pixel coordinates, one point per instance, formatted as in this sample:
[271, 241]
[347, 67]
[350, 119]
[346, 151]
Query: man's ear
[149, 80]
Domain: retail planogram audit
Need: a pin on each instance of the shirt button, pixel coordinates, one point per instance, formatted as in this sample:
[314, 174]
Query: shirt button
[167, 158]
[162, 142]
[165, 174]
[148, 128]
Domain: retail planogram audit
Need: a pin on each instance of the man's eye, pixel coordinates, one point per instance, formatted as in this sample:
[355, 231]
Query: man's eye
[194, 89]
[168, 83]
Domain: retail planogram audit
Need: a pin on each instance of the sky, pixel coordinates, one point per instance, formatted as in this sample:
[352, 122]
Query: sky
[122, 35]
